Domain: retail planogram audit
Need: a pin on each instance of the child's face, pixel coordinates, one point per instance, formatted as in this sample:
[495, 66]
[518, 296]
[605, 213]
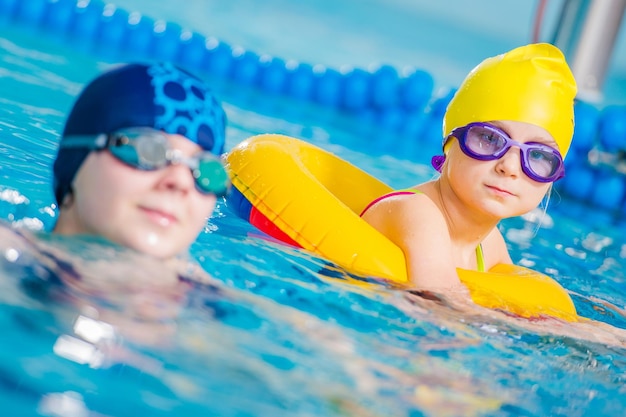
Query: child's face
[499, 187]
[159, 213]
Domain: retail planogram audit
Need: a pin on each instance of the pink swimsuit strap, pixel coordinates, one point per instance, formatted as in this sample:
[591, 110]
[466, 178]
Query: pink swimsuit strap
[392, 194]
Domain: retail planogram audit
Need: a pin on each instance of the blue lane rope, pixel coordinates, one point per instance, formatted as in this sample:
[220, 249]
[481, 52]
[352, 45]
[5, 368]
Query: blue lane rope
[402, 103]
[98, 25]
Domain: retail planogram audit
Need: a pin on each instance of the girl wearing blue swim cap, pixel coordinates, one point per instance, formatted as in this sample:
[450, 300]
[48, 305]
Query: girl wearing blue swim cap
[138, 162]
[506, 132]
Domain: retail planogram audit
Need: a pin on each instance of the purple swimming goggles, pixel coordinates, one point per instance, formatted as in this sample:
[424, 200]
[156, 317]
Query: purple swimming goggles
[485, 142]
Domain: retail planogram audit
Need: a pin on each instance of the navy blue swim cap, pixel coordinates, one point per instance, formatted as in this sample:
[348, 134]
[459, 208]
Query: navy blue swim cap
[161, 96]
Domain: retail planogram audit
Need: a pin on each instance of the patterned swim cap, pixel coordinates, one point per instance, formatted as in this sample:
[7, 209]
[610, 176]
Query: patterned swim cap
[531, 84]
[161, 96]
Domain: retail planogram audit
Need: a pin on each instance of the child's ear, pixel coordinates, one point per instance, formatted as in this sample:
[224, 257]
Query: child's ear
[68, 200]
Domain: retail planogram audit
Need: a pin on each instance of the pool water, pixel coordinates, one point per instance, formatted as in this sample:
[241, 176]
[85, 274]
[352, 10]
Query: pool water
[279, 331]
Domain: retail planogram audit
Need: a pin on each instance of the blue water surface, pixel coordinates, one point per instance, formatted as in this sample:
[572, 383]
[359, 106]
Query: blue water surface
[278, 331]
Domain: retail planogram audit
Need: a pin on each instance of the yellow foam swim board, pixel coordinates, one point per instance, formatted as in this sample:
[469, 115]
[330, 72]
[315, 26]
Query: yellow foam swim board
[315, 197]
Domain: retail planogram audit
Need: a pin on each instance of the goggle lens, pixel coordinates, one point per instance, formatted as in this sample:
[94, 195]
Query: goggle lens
[146, 151]
[543, 163]
[211, 177]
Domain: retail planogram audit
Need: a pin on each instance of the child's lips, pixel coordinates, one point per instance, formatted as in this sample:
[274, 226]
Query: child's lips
[500, 191]
[160, 216]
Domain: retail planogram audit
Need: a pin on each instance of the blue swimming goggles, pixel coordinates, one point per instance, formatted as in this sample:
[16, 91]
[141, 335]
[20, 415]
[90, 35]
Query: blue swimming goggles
[149, 149]
[486, 142]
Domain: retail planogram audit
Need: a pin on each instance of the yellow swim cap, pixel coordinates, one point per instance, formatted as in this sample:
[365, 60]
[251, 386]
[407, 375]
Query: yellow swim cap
[531, 84]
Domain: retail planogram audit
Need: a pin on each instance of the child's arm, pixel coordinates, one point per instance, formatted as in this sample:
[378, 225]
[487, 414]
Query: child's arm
[416, 225]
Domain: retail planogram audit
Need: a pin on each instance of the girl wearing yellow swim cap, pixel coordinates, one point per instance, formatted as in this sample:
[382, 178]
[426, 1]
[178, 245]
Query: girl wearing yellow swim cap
[506, 132]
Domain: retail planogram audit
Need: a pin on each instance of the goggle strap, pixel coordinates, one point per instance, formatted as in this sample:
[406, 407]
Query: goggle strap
[93, 142]
[437, 162]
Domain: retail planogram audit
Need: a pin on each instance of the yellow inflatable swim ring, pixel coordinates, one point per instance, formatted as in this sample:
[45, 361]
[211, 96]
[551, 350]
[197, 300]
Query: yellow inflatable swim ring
[305, 195]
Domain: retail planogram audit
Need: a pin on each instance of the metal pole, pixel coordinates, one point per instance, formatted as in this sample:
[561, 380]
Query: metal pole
[591, 55]
[569, 25]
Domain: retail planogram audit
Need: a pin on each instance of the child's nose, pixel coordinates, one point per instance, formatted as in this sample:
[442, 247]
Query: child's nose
[510, 163]
[177, 177]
